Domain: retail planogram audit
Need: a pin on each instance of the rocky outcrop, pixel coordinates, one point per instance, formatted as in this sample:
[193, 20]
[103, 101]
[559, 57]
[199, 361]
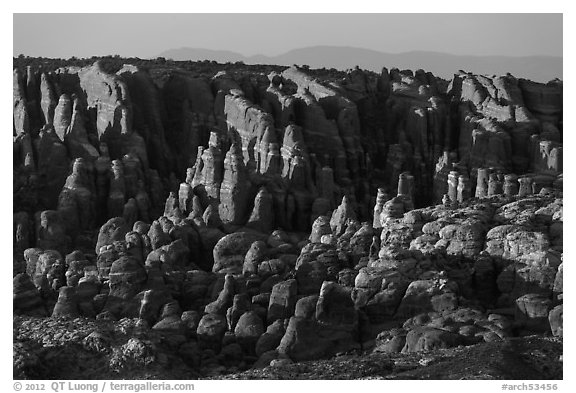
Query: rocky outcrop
[248, 330]
[27, 299]
[211, 330]
[330, 115]
[250, 220]
[282, 300]
[52, 165]
[115, 229]
[340, 217]
[262, 217]
[76, 136]
[21, 116]
[51, 231]
[67, 303]
[230, 251]
[147, 118]
[235, 188]
[48, 100]
[62, 116]
[543, 100]
[255, 133]
[330, 328]
[127, 278]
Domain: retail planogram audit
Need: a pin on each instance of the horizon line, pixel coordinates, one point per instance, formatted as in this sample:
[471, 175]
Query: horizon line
[305, 47]
[366, 49]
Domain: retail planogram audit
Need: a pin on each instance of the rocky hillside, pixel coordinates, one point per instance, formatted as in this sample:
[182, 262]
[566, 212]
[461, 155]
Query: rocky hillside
[226, 218]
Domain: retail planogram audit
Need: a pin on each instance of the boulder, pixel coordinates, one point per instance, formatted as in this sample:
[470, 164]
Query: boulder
[265, 359]
[248, 330]
[555, 317]
[51, 232]
[255, 255]
[301, 341]
[151, 304]
[532, 311]
[466, 239]
[210, 332]
[335, 307]
[310, 276]
[270, 339]
[230, 251]
[341, 215]
[26, 299]
[67, 305]
[320, 227]
[282, 300]
[392, 342]
[127, 278]
[225, 298]
[422, 296]
[428, 338]
[31, 256]
[50, 272]
[240, 305]
[113, 230]
[384, 304]
[195, 288]
[262, 217]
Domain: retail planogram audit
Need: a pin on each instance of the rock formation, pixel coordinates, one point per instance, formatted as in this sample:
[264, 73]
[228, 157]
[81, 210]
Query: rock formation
[260, 216]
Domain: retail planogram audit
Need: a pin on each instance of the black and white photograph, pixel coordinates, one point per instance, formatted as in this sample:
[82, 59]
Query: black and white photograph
[373, 196]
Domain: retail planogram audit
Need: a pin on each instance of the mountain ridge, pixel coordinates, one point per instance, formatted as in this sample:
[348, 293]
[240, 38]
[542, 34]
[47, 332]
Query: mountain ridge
[540, 68]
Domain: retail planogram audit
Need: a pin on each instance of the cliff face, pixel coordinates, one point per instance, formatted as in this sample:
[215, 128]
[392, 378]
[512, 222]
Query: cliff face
[226, 202]
[366, 128]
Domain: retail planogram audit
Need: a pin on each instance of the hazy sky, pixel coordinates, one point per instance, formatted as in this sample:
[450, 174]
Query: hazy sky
[147, 35]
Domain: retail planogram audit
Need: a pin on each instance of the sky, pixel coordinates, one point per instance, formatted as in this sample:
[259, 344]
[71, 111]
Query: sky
[148, 35]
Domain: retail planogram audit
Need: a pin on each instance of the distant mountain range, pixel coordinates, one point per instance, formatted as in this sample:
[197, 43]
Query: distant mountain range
[536, 68]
